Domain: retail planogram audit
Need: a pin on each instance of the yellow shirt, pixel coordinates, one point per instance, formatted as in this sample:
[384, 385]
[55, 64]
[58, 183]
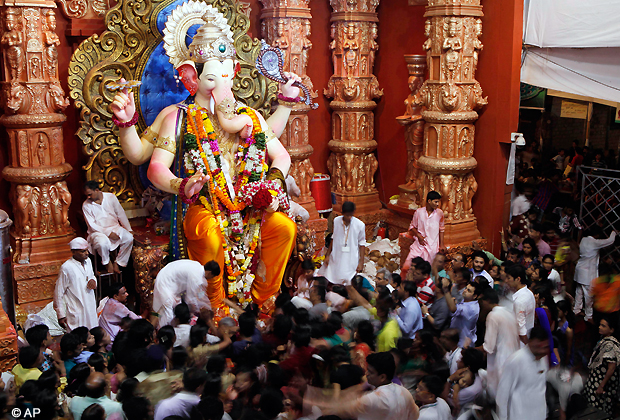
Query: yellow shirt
[22, 375]
[388, 336]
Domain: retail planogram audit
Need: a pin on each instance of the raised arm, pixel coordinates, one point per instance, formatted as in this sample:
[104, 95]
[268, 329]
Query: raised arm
[159, 172]
[137, 147]
[280, 159]
[278, 120]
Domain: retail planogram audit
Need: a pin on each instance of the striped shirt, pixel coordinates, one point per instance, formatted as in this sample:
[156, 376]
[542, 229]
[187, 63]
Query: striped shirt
[426, 292]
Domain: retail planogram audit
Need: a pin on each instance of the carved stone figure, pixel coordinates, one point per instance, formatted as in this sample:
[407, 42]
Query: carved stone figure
[370, 168]
[470, 186]
[65, 202]
[13, 41]
[477, 44]
[17, 98]
[51, 41]
[282, 41]
[350, 47]
[374, 46]
[23, 208]
[56, 97]
[348, 170]
[306, 174]
[427, 33]
[453, 44]
[41, 149]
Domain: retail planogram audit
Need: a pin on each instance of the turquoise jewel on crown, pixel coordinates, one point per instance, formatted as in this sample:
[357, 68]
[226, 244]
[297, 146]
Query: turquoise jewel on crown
[222, 48]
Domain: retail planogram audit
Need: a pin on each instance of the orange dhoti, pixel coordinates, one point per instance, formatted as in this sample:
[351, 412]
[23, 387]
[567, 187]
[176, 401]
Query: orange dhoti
[204, 243]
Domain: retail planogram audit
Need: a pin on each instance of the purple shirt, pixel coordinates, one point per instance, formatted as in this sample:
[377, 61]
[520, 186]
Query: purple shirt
[464, 319]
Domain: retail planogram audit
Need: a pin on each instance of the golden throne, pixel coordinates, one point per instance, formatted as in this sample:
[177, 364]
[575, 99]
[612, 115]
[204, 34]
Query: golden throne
[132, 48]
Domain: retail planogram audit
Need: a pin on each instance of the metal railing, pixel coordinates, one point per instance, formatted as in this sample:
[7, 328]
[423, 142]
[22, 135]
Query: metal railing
[600, 204]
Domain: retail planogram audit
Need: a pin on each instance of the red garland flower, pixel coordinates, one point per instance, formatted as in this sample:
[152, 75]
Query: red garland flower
[262, 199]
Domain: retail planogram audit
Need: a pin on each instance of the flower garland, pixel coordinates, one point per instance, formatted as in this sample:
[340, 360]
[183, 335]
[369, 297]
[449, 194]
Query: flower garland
[239, 210]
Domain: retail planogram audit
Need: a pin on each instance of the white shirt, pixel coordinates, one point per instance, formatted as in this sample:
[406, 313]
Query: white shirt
[519, 205]
[483, 274]
[452, 359]
[178, 405]
[72, 298]
[521, 392]
[180, 278]
[388, 402]
[501, 340]
[556, 280]
[182, 334]
[345, 256]
[587, 266]
[438, 411]
[106, 217]
[524, 308]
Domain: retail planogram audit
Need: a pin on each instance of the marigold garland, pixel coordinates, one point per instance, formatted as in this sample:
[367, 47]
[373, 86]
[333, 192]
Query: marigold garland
[230, 208]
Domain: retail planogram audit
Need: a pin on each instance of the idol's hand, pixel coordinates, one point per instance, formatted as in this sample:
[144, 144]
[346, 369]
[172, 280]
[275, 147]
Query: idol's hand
[246, 131]
[123, 106]
[195, 184]
[273, 207]
[288, 89]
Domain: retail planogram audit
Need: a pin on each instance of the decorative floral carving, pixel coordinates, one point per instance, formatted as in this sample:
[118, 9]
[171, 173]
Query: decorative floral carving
[35, 289]
[74, 9]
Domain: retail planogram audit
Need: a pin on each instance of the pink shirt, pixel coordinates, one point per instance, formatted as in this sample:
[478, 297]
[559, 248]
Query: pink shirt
[111, 316]
[429, 226]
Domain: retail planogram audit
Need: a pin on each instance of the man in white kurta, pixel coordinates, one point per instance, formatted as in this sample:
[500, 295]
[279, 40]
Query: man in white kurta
[74, 296]
[108, 226]
[521, 391]
[426, 228]
[182, 280]
[346, 252]
[587, 269]
[501, 338]
[523, 300]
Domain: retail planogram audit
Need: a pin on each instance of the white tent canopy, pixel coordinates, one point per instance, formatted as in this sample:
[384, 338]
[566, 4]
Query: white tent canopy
[573, 46]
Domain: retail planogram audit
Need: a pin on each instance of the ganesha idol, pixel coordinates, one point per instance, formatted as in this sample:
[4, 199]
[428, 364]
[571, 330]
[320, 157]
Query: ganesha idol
[222, 159]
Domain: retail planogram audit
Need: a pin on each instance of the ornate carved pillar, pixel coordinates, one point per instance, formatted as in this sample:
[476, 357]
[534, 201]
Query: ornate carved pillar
[353, 87]
[414, 131]
[33, 104]
[286, 24]
[451, 96]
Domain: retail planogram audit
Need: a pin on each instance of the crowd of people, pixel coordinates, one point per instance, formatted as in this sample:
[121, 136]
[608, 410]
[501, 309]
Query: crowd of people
[529, 333]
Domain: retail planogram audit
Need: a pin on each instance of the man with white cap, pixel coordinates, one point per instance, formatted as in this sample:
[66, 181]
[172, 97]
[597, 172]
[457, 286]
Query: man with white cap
[108, 227]
[74, 297]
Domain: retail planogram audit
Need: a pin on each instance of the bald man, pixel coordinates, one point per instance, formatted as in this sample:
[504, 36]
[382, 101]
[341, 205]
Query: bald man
[95, 394]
